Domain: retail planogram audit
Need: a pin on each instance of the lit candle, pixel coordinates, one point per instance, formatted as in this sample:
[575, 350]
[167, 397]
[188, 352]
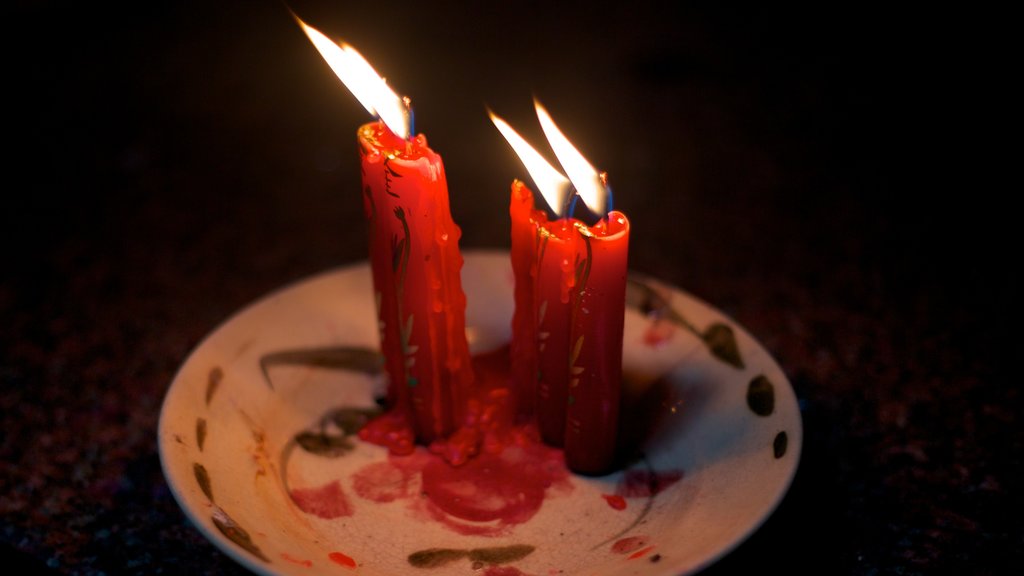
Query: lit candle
[570, 306]
[415, 263]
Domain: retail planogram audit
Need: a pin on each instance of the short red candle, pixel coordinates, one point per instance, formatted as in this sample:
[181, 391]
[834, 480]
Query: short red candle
[525, 220]
[595, 365]
[555, 281]
[543, 256]
[416, 266]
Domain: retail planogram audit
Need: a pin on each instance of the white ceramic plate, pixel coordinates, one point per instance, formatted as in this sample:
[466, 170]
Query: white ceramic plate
[256, 445]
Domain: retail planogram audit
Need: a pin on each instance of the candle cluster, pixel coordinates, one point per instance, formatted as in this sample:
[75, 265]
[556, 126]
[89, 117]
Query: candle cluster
[570, 279]
[570, 296]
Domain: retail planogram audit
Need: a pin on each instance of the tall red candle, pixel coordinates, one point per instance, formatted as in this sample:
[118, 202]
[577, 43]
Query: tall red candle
[416, 268]
[415, 262]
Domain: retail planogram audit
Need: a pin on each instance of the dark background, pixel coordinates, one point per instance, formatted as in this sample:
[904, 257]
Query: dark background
[827, 176]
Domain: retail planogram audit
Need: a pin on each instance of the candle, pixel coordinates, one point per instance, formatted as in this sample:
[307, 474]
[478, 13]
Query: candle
[415, 264]
[596, 338]
[570, 305]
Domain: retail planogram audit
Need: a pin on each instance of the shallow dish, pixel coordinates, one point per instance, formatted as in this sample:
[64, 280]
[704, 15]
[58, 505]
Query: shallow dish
[258, 443]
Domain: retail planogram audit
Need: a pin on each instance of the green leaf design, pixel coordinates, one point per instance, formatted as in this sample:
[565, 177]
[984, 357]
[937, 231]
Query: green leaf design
[232, 531]
[331, 437]
[582, 274]
[397, 250]
[352, 420]
[502, 554]
[574, 370]
[407, 332]
[434, 557]
[356, 359]
[212, 382]
[576, 349]
[779, 444]
[200, 432]
[722, 343]
[203, 479]
[321, 444]
[761, 396]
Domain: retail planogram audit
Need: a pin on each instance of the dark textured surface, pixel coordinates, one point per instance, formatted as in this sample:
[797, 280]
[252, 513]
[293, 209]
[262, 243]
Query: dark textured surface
[810, 173]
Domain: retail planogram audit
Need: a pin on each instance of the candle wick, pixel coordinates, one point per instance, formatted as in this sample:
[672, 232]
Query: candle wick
[603, 177]
[573, 197]
[410, 117]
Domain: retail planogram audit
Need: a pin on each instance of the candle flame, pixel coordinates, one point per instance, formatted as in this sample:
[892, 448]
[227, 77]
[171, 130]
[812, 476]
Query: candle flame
[588, 182]
[362, 80]
[552, 185]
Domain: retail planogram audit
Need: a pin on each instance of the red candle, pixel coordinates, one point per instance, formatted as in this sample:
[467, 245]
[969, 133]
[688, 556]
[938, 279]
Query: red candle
[416, 263]
[595, 365]
[554, 288]
[525, 221]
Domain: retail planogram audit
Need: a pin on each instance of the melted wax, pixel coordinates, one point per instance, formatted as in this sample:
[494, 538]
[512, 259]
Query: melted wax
[492, 473]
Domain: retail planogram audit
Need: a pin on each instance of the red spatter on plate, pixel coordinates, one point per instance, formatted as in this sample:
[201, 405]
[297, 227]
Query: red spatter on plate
[294, 560]
[643, 483]
[504, 571]
[641, 553]
[658, 333]
[327, 501]
[342, 559]
[615, 501]
[630, 544]
[383, 482]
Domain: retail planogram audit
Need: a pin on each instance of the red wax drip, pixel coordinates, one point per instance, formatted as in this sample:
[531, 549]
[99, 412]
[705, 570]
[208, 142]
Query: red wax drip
[615, 501]
[294, 560]
[504, 571]
[629, 544]
[391, 430]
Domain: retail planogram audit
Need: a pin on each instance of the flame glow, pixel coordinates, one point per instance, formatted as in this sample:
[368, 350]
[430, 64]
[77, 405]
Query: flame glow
[584, 177]
[552, 185]
[362, 80]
